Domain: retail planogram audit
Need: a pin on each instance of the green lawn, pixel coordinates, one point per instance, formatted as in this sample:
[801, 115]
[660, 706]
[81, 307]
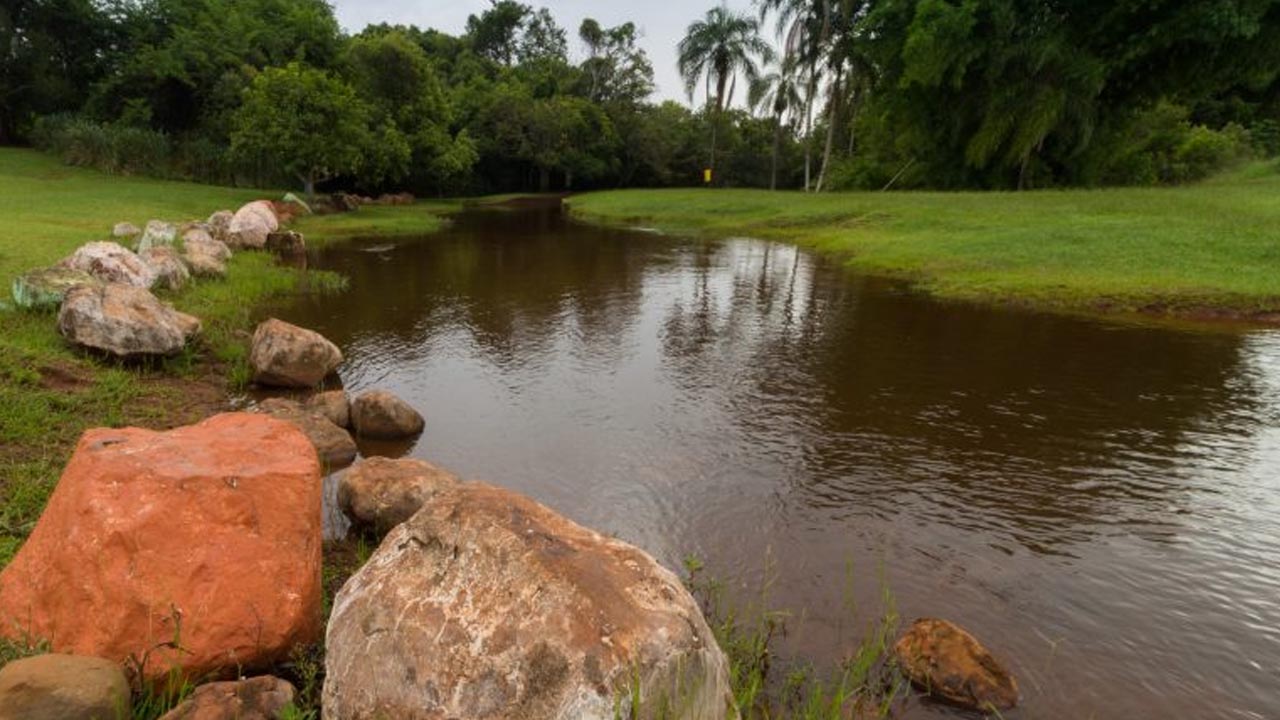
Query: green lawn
[1213, 246]
[50, 393]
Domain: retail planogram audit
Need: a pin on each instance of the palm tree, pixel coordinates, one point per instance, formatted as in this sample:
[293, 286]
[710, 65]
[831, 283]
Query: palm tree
[803, 27]
[779, 93]
[719, 48]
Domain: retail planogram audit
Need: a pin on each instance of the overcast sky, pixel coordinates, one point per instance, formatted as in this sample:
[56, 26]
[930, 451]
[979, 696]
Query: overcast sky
[662, 23]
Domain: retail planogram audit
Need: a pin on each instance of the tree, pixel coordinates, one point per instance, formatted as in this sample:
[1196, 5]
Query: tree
[779, 93]
[616, 68]
[495, 33]
[313, 127]
[719, 48]
[393, 74]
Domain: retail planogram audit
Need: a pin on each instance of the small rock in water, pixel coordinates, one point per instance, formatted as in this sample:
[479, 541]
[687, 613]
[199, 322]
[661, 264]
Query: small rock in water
[44, 289]
[333, 444]
[260, 698]
[111, 263]
[379, 494]
[286, 355]
[63, 687]
[123, 321]
[386, 247]
[286, 242]
[379, 415]
[333, 405]
[949, 663]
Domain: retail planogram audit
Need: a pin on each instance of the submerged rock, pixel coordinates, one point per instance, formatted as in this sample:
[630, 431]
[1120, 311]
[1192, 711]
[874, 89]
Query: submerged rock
[111, 263]
[260, 698]
[948, 663]
[251, 225]
[45, 289]
[286, 355]
[380, 415]
[210, 533]
[379, 493]
[171, 272]
[123, 321]
[487, 604]
[63, 687]
[333, 445]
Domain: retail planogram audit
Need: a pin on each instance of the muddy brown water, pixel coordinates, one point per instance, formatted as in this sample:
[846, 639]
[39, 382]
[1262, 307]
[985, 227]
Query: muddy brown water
[1098, 500]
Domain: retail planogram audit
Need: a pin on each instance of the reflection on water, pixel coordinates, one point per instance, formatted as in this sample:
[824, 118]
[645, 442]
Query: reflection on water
[1098, 501]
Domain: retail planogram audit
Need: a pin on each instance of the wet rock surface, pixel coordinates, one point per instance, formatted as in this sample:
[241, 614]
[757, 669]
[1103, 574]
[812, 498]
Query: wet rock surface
[947, 662]
[380, 493]
[379, 415]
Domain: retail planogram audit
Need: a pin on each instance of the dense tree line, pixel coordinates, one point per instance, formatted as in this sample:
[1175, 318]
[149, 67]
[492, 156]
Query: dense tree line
[800, 93]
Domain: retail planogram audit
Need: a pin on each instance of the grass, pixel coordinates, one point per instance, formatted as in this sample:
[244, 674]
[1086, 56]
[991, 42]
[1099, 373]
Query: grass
[1209, 247]
[50, 393]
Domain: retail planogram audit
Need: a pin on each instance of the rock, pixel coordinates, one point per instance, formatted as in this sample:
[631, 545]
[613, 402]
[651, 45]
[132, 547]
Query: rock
[111, 263]
[395, 199]
[220, 225]
[171, 272]
[124, 321]
[333, 405]
[948, 663]
[205, 266]
[44, 289]
[211, 533]
[286, 242]
[379, 494]
[333, 445]
[63, 687]
[251, 224]
[125, 231]
[380, 415]
[345, 202]
[487, 604]
[199, 240]
[259, 698]
[289, 356]
[292, 199]
[157, 234]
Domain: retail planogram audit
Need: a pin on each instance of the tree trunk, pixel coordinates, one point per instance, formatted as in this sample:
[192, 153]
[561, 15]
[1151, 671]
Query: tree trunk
[309, 185]
[808, 127]
[777, 140]
[715, 127]
[544, 179]
[833, 116]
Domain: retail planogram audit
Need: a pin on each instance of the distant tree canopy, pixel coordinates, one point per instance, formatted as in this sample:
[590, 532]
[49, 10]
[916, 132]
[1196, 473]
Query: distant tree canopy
[841, 94]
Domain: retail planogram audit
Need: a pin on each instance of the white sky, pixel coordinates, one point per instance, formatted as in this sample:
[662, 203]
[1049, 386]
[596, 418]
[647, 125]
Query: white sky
[662, 23]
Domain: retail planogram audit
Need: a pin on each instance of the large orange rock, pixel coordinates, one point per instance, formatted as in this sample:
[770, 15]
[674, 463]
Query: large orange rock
[209, 533]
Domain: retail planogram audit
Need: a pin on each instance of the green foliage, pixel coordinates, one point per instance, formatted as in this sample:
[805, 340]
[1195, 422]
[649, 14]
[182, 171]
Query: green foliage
[312, 126]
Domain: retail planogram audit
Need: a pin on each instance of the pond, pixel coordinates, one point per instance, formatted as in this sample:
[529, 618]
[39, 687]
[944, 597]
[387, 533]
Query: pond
[1098, 501]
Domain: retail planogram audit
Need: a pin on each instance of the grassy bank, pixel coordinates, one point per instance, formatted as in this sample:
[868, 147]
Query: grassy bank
[1205, 248]
[50, 393]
